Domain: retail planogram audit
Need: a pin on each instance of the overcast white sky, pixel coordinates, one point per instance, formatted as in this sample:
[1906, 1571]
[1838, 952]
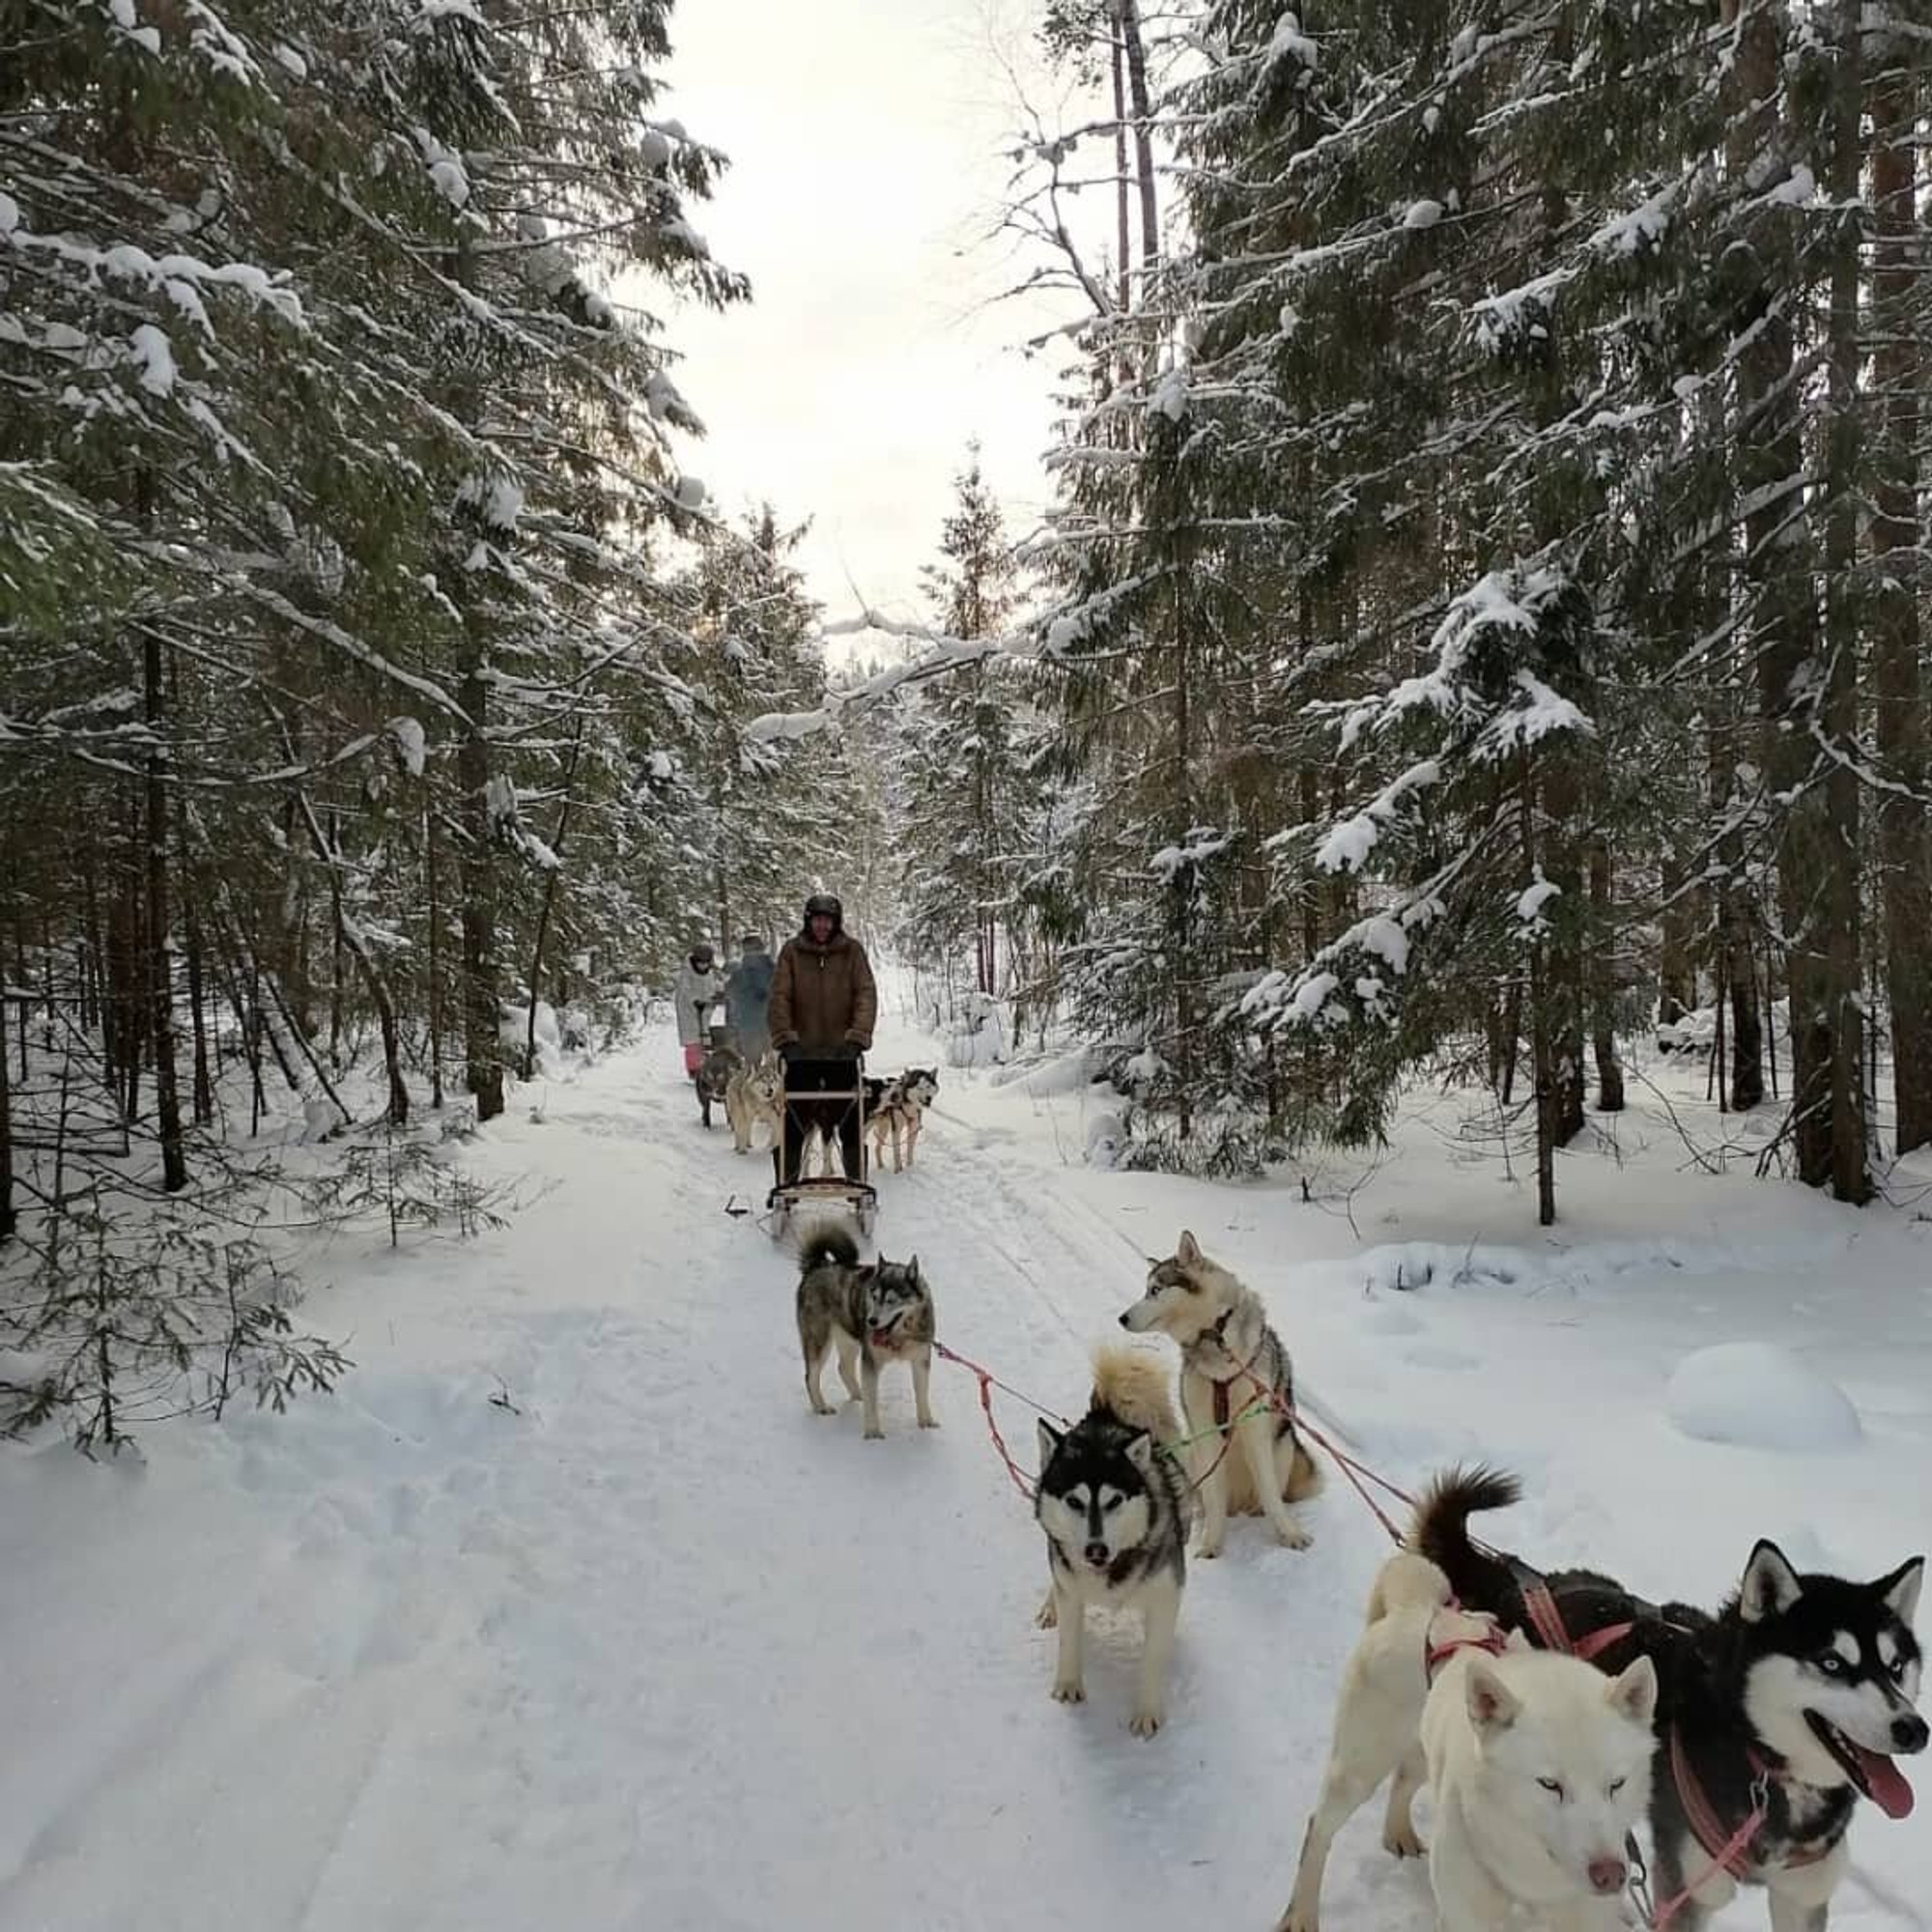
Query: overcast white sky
[865, 138]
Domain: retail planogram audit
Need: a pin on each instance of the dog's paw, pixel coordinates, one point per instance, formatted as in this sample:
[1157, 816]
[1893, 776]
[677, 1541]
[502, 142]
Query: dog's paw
[1069, 1693]
[1047, 1616]
[823, 1408]
[1402, 1843]
[929, 1422]
[1206, 1551]
[1294, 1537]
[1145, 1724]
[876, 1434]
[1292, 1921]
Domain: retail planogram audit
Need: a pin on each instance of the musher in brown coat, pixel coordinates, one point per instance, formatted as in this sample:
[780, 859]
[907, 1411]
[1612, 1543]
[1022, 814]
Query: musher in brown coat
[823, 1006]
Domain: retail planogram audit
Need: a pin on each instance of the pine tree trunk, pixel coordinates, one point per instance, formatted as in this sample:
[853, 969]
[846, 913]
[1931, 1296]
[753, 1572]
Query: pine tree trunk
[435, 950]
[554, 877]
[478, 868]
[482, 1019]
[197, 1002]
[159, 961]
[1839, 909]
[1542, 1035]
[1127, 14]
[1899, 385]
[1602, 984]
[9, 1217]
[1785, 631]
[1124, 236]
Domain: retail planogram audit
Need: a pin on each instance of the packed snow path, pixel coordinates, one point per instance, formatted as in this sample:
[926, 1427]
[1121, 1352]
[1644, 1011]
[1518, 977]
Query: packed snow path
[566, 1612]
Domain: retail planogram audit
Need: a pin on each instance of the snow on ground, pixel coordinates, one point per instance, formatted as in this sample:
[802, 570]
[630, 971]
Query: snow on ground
[566, 1610]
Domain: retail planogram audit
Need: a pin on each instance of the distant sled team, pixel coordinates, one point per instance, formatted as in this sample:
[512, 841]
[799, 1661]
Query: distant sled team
[1551, 1718]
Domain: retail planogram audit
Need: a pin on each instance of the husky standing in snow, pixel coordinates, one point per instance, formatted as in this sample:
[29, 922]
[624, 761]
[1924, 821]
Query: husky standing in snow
[895, 1109]
[1115, 1510]
[1412, 1626]
[873, 1313]
[1232, 1365]
[1786, 1707]
[756, 1094]
[1539, 1766]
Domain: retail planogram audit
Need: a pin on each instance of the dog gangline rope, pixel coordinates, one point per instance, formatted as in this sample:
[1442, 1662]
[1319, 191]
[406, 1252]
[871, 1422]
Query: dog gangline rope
[1357, 1472]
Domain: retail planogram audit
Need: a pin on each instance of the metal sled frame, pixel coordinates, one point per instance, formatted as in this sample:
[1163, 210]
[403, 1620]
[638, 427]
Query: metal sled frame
[841, 1190]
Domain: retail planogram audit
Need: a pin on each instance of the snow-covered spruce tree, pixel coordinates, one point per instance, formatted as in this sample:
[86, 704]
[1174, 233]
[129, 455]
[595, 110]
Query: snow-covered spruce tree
[775, 814]
[959, 788]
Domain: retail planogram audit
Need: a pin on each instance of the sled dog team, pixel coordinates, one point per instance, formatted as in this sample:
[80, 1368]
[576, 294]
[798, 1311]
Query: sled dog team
[1549, 1716]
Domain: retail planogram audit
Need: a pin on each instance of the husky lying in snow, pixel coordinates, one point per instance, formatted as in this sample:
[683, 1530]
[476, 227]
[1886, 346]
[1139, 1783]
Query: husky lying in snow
[1789, 1704]
[1412, 1623]
[755, 1097]
[1115, 1510]
[1539, 1766]
[873, 1313]
[1232, 1364]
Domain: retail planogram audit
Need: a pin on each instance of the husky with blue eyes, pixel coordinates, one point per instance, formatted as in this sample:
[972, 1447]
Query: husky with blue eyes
[1116, 1511]
[1539, 1770]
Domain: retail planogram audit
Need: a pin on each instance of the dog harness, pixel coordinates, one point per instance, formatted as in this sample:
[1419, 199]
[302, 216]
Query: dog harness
[1539, 1602]
[1434, 1655]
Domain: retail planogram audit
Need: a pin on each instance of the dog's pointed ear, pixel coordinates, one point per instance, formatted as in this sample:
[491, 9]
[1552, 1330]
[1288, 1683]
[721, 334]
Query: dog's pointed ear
[1516, 1641]
[1187, 1252]
[1050, 1439]
[1140, 1453]
[1634, 1692]
[1900, 1590]
[912, 1267]
[1770, 1586]
[1493, 1704]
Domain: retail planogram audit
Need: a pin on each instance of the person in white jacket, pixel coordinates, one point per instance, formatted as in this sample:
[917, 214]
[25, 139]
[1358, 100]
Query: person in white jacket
[696, 990]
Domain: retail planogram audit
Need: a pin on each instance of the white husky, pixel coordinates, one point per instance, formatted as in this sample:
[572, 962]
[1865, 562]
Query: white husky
[1539, 1766]
[1413, 1624]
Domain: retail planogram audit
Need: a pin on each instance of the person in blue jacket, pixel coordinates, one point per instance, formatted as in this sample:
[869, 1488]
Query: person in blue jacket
[747, 994]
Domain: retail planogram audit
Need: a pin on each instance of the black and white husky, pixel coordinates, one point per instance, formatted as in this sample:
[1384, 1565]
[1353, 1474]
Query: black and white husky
[896, 1111]
[873, 1313]
[1786, 1706]
[1115, 1509]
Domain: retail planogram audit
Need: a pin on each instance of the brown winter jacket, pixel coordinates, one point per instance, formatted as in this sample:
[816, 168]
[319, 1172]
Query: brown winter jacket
[822, 996]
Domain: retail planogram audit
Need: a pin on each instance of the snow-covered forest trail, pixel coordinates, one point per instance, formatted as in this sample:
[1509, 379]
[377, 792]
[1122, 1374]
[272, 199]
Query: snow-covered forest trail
[567, 1610]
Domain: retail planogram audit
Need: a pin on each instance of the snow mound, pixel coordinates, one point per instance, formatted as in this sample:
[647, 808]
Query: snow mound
[1758, 1396]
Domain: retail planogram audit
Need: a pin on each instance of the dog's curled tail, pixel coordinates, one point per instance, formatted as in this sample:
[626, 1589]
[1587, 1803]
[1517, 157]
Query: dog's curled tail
[828, 1245]
[1440, 1530]
[1304, 1475]
[1137, 1387]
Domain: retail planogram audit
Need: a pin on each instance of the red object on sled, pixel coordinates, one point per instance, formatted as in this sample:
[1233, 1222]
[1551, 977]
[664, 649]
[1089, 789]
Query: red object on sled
[694, 1057]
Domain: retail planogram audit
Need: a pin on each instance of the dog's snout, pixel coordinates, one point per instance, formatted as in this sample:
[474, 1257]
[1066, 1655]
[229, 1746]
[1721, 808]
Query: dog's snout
[1908, 1733]
[1607, 1875]
[1124, 1320]
[1097, 1552]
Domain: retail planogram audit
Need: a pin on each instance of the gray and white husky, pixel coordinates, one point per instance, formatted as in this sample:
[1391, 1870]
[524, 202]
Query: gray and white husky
[1233, 1365]
[873, 1313]
[1115, 1508]
[756, 1094]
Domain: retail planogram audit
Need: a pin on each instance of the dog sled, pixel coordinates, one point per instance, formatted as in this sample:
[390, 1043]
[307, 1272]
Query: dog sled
[812, 1108]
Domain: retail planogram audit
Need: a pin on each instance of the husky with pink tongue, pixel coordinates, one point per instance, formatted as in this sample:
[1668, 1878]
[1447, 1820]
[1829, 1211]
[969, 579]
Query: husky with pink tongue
[1775, 1715]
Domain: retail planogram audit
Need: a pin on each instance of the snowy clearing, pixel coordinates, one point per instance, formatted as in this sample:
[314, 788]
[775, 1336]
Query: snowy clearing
[566, 1607]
